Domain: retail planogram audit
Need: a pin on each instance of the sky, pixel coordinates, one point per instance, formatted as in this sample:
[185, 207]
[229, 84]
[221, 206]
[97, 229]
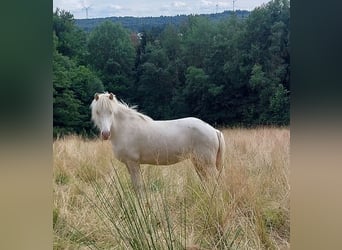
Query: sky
[107, 8]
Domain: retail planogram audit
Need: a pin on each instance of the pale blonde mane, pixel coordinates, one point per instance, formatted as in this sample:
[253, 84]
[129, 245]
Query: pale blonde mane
[118, 107]
[102, 103]
[132, 110]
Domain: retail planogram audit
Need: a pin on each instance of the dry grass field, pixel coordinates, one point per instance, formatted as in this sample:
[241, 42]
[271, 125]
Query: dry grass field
[249, 208]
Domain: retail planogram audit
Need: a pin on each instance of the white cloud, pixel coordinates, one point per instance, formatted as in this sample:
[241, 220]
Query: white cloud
[207, 3]
[225, 4]
[67, 5]
[174, 8]
[115, 7]
[178, 4]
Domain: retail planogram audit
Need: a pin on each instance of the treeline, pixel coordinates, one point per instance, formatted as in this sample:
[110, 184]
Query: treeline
[231, 72]
[139, 23]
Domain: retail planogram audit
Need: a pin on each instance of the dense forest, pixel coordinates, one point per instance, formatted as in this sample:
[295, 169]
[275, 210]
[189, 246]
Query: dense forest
[229, 72]
[139, 23]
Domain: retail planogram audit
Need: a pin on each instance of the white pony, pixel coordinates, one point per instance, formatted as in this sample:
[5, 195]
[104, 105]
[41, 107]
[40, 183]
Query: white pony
[138, 139]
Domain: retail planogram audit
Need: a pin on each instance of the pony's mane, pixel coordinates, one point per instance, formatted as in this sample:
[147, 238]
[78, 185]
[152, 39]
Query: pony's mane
[102, 103]
[131, 110]
[118, 107]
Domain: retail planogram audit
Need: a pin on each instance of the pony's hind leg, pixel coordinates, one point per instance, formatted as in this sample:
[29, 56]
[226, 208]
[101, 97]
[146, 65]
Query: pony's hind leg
[205, 169]
[199, 170]
[208, 175]
[134, 171]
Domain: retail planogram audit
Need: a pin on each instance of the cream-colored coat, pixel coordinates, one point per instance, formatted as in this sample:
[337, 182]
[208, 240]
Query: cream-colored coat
[138, 139]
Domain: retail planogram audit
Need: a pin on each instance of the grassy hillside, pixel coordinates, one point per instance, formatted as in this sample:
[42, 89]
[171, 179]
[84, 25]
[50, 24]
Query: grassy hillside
[94, 205]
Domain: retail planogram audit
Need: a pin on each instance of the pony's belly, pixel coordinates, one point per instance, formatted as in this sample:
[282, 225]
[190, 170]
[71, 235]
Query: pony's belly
[161, 158]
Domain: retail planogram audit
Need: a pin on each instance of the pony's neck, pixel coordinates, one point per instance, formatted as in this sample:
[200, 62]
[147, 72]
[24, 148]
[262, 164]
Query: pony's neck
[125, 116]
[124, 112]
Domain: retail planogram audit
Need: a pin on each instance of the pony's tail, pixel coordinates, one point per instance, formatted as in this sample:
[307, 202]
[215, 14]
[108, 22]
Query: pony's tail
[220, 152]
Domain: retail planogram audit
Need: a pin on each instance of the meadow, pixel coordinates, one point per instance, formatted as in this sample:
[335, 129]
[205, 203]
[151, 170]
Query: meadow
[249, 208]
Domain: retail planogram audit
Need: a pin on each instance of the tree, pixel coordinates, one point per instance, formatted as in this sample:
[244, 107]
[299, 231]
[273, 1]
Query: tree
[171, 42]
[73, 84]
[66, 115]
[197, 41]
[262, 89]
[280, 106]
[267, 32]
[155, 82]
[199, 94]
[71, 39]
[228, 67]
[84, 85]
[111, 54]
[73, 89]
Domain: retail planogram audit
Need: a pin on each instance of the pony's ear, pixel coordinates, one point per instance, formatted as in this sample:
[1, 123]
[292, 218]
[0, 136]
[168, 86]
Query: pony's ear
[96, 96]
[111, 96]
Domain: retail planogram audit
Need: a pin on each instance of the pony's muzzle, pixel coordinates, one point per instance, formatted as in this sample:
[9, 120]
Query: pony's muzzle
[105, 135]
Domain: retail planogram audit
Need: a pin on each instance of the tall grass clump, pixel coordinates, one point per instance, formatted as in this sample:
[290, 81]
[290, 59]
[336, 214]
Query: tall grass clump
[248, 208]
[134, 222]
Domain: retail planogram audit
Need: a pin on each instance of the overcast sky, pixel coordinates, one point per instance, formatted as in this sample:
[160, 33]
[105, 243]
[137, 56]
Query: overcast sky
[107, 8]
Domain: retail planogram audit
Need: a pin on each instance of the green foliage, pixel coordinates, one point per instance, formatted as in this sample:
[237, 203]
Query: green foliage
[61, 177]
[232, 71]
[112, 54]
[274, 219]
[171, 42]
[199, 36]
[280, 106]
[73, 84]
[55, 215]
[66, 117]
[137, 24]
[71, 39]
[155, 81]
[199, 93]
[84, 84]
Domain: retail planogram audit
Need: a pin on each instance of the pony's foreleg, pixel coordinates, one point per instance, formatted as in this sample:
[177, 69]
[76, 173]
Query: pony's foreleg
[134, 171]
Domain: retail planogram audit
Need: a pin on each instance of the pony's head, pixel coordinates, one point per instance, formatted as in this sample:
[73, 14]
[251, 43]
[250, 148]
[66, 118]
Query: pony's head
[102, 108]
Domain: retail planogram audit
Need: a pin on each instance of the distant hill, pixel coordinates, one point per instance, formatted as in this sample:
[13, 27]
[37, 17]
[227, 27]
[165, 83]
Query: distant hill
[139, 23]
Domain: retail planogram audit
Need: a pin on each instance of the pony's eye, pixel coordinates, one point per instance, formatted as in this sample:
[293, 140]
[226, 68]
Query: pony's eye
[97, 112]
